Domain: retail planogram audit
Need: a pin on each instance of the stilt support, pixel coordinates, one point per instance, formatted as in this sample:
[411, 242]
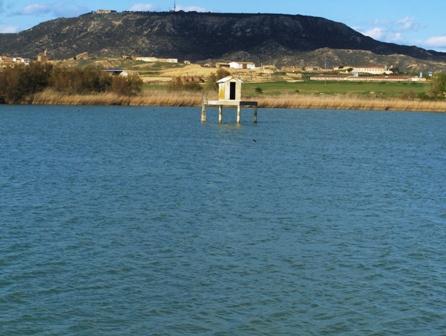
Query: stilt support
[203, 113]
[221, 104]
[220, 114]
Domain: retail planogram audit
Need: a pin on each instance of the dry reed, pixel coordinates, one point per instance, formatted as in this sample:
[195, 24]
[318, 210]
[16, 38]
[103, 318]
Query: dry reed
[350, 103]
[156, 98]
[183, 98]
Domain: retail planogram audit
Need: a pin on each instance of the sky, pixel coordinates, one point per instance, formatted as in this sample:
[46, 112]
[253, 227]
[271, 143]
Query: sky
[411, 22]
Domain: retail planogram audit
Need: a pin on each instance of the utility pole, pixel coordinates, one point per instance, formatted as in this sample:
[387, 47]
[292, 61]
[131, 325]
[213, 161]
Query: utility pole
[174, 5]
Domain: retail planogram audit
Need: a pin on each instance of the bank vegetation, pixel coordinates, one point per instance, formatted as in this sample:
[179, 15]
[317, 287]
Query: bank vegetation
[46, 84]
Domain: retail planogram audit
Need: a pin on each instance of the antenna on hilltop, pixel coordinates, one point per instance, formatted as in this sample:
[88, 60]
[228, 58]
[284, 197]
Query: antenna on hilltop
[174, 5]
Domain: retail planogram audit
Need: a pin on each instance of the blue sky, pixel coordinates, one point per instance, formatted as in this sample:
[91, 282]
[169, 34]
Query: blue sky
[412, 22]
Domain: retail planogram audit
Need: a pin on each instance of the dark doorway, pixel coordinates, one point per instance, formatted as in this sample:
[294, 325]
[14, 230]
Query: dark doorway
[232, 91]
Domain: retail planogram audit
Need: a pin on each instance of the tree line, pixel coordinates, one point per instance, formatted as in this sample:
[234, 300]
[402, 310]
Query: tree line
[21, 81]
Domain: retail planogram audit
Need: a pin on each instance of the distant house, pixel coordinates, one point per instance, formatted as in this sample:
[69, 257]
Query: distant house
[156, 60]
[21, 60]
[242, 65]
[375, 70]
[6, 61]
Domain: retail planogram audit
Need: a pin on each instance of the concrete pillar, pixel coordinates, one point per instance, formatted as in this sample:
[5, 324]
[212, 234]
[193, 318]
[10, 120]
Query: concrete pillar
[255, 115]
[238, 114]
[220, 114]
[203, 113]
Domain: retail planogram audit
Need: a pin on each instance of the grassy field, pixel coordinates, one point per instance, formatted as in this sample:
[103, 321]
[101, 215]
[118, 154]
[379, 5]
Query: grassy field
[379, 89]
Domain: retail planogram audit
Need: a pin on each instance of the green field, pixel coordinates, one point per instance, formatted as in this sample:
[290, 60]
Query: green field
[362, 89]
[379, 89]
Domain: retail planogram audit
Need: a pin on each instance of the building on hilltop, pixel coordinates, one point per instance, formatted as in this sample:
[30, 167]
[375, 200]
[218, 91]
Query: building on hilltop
[105, 11]
[43, 57]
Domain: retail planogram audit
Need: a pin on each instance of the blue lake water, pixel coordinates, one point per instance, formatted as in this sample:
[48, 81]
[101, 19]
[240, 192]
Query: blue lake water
[142, 221]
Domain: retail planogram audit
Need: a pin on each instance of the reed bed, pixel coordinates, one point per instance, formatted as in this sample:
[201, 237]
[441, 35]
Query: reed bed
[161, 98]
[350, 103]
[183, 98]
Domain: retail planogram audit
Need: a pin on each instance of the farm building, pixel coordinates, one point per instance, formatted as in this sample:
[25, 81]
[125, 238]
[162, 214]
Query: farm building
[242, 65]
[156, 60]
[372, 70]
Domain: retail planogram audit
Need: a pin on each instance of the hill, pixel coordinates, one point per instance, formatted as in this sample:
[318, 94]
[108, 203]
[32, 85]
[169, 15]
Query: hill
[200, 36]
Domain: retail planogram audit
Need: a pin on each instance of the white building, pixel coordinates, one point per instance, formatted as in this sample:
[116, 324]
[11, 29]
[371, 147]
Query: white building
[21, 60]
[372, 70]
[156, 60]
[104, 11]
[242, 65]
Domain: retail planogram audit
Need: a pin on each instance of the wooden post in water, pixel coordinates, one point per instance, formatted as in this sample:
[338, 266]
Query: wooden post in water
[255, 115]
[220, 114]
[239, 110]
[203, 113]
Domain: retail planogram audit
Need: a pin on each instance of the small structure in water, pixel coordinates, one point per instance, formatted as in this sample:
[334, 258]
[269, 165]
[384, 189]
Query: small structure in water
[229, 95]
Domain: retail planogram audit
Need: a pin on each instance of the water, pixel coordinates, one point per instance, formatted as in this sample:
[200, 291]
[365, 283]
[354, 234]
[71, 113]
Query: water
[141, 221]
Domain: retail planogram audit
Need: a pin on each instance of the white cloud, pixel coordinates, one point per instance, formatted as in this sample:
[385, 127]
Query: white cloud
[391, 31]
[35, 8]
[394, 37]
[53, 9]
[407, 23]
[436, 42]
[141, 7]
[376, 33]
[4, 29]
[383, 34]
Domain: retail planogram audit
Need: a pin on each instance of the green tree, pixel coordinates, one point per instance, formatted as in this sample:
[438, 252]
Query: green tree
[438, 88]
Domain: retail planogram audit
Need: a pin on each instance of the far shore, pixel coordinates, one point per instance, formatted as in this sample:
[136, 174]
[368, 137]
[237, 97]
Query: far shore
[194, 99]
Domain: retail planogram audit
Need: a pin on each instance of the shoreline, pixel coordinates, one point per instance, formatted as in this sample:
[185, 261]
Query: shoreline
[194, 99]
